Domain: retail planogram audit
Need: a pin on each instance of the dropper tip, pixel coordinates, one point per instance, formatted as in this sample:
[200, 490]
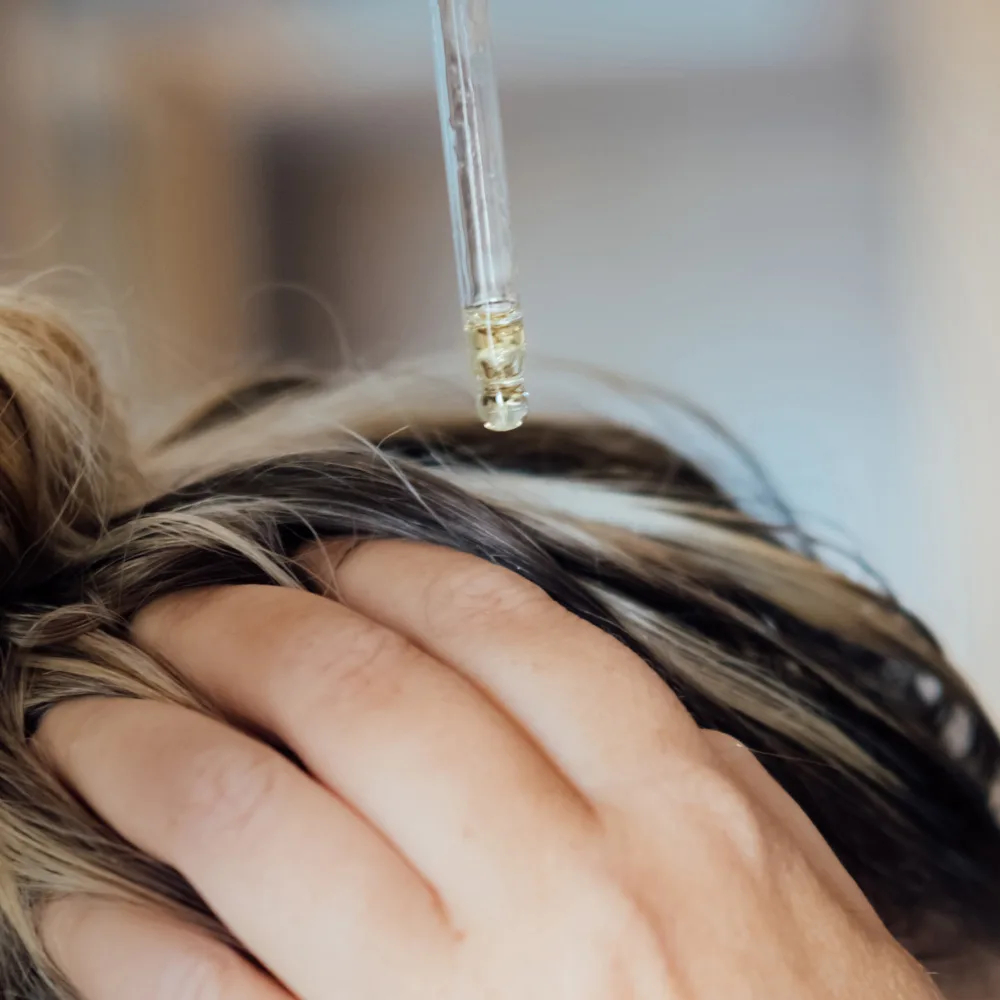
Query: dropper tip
[496, 334]
[504, 410]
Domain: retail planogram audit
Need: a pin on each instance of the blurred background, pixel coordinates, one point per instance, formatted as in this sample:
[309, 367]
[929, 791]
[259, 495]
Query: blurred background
[787, 210]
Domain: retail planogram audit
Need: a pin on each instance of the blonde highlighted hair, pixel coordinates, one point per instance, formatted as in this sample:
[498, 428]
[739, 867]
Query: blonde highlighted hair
[847, 699]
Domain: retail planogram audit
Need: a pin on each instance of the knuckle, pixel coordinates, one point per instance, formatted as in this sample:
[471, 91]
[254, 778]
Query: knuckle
[351, 669]
[225, 791]
[203, 973]
[60, 923]
[735, 816]
[727, 746]
[481, 593]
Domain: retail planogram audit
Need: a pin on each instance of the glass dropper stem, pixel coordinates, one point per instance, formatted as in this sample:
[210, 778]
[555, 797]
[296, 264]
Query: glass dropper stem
[480, 207]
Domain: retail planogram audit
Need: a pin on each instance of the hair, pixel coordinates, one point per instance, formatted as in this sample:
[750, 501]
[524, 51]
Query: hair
[847, 699]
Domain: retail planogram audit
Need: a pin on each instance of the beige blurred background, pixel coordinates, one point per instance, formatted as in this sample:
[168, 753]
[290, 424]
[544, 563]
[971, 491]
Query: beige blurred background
[786, 209]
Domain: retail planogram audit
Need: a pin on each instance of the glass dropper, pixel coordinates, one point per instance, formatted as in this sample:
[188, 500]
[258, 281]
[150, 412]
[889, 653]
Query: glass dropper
[480, 208]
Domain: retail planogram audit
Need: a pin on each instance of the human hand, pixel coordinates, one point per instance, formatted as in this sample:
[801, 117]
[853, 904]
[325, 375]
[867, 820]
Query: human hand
[498, 801]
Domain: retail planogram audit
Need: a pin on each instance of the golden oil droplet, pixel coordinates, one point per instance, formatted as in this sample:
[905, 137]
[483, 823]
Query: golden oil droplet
[498, 346]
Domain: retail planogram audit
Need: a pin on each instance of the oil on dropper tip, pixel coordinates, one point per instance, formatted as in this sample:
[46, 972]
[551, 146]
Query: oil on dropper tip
[505, 411]
[496, 334]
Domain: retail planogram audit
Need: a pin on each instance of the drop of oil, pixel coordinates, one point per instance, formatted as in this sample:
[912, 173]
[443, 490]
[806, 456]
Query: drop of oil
[503, 412]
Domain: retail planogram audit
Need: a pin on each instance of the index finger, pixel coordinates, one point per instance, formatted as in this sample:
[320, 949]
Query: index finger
[598, 711]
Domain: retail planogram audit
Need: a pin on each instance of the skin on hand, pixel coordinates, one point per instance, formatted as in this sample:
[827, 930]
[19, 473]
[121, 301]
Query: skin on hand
[498, 800]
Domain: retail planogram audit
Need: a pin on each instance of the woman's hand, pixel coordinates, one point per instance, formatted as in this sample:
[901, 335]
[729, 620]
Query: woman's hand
[499, 801]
